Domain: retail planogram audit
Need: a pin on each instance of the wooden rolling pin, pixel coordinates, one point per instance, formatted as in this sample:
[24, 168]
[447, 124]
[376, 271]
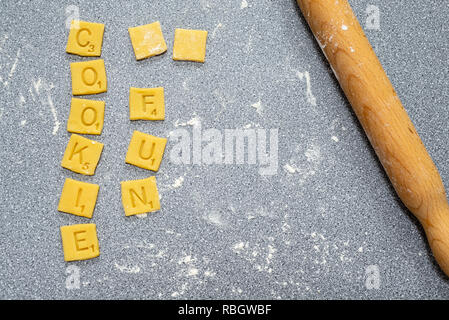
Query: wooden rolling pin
[387, 125]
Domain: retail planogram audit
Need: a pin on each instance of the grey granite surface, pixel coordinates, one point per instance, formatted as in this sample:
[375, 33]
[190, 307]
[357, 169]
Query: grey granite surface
[320, 227]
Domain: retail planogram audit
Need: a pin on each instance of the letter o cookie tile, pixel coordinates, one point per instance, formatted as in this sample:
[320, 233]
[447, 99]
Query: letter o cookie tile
[86, 116]
[88, 77]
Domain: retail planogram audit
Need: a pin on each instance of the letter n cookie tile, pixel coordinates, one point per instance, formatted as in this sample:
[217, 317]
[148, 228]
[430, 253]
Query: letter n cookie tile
[82, 155]
[80, 242]
[78, 198]
[145, 151]
[140, 196]
[88, 77]
[86, 116]
[146, 104]
[85, 38]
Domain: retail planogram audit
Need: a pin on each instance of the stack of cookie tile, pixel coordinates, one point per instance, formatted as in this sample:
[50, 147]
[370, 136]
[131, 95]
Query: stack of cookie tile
[86, 117]
[82, 155]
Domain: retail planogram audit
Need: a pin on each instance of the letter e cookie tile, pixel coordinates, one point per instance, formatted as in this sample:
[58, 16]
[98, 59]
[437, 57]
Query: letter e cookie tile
[80, 242]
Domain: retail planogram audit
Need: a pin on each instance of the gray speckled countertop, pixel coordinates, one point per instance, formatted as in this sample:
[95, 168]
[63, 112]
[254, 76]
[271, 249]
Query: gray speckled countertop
[312, 230]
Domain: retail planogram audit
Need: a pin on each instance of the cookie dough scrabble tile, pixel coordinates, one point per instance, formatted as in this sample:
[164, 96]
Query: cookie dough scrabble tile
[146, 104]
[82, 155]
[88, 77]
[140, 196]
[147, 40]
[86, 116]
[78, 198]
[190, 45]
[80, 242]
[145, 151]
[85, 38]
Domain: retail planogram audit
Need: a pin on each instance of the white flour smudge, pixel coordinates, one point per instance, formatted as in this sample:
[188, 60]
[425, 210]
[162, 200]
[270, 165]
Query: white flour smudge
[42, 89]
[127, 269]
[9, 62]
[244, 4]
[178, 182]
[310, 97]
[204, 4]
[215, 218]
[290, 168]
[5, 37]
[13, 68]
[258, 106]
[305, 169]
[194, 122]
[260, 257]
[219, 25]
[335, 138]
[55, 115]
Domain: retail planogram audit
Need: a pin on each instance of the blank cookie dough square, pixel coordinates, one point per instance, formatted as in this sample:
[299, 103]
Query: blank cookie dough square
[82, 155]
[88, 77]
[86, 116]
[145, 151]
[85, 38]
[190, 45]
[78, 198]
[80, 242]
[147, 40]
[146, 104]
[140, 196]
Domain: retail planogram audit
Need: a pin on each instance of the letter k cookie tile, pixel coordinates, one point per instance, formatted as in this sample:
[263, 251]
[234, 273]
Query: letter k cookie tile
[82, 155]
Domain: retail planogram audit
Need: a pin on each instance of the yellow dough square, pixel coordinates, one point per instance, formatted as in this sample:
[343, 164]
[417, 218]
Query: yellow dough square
[190, 45]
[88, 77]
[80, 242]
[85, 38]
[78, 198]
[145, 151]
[86, 116]
[140, 196]
[146, 104]
[147, 40]
[82, 155]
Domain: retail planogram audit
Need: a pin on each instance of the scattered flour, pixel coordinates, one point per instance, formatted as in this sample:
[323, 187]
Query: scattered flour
[194, 122]
[310, 97]
[214, 32]
[258, 106]
[127, 269]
